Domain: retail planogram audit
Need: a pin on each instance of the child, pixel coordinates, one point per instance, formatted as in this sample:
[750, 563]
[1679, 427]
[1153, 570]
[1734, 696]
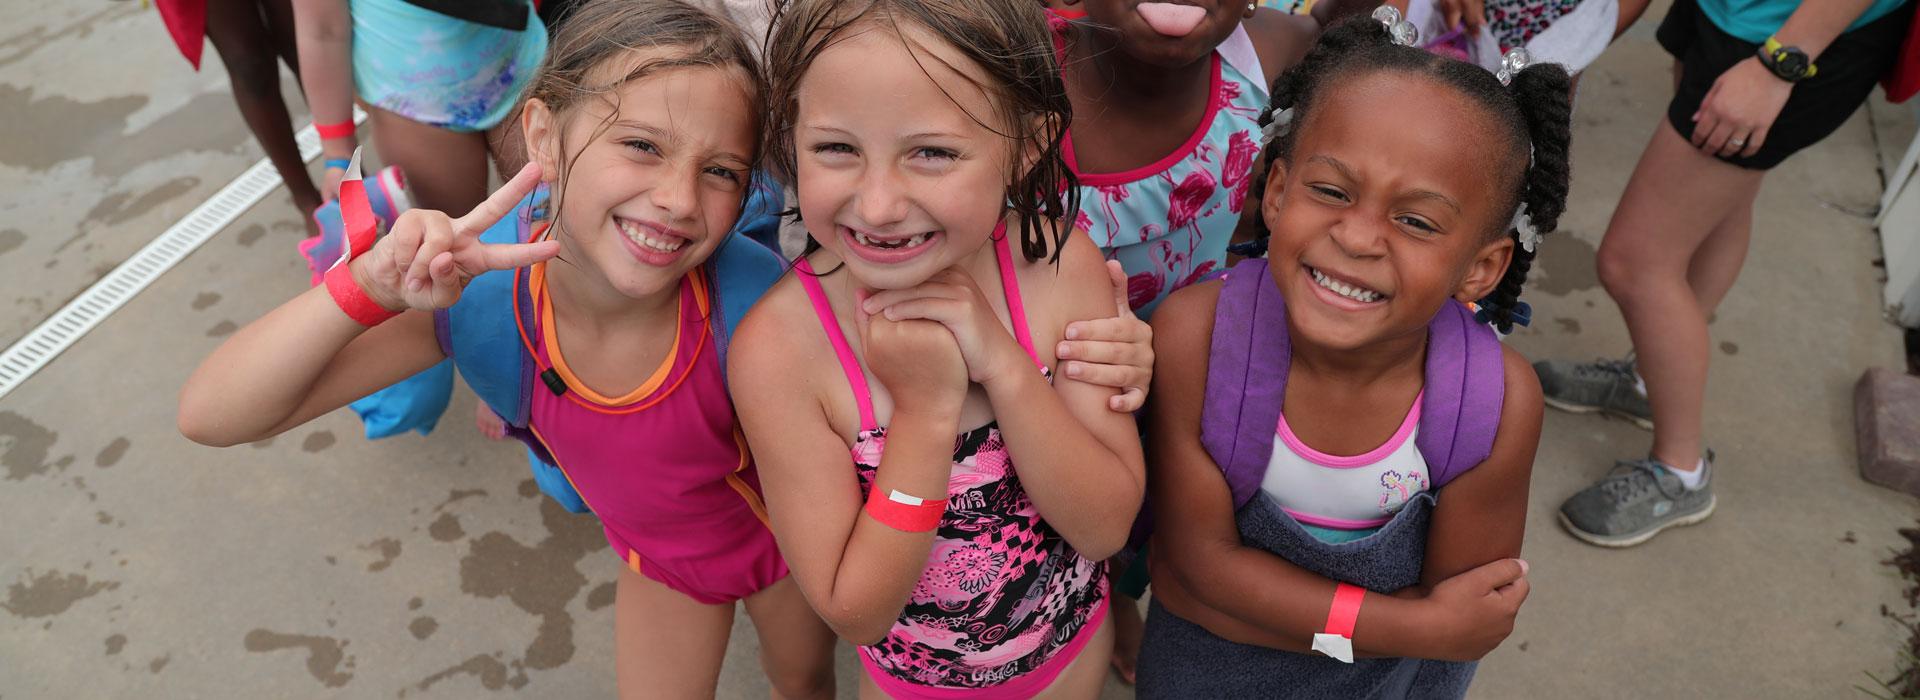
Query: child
[643, 124]
[1353, 339]
[968, 566]
[1163, 137]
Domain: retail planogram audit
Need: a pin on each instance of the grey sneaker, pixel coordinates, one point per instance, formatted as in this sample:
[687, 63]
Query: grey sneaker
[1608, 386]
[1634, 502]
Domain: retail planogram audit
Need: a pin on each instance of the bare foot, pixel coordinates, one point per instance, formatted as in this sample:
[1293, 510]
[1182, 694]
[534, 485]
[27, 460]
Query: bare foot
[1127, 629]
[494, 428]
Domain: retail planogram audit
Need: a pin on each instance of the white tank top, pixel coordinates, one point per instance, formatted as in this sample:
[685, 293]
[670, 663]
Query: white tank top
[1347, 493]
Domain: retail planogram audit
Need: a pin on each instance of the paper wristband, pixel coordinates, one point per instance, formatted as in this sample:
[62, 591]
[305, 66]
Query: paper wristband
[906, 513]
[342, 130]
[354, 300]
[340, 163]
[1345, 611]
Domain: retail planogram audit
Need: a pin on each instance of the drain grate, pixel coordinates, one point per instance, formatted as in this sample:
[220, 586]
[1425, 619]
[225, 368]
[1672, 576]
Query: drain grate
[72, 321]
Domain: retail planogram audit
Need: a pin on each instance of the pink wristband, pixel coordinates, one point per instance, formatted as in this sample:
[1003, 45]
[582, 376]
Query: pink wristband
[354, 300]
[906, 513]
[1345, 611]
[329, 132]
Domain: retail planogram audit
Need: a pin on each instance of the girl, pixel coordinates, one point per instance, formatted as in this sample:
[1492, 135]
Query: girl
[643, 125]
[968, 565]
[1352, 339]
[1163, 138]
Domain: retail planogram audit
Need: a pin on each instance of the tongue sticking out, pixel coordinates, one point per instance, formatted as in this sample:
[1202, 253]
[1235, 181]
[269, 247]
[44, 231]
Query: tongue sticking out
[1169, 19]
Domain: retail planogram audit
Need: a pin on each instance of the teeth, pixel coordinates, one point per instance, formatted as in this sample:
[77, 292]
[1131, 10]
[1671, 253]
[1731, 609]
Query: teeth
[908, 242]
[1365, 296]
[639, 235]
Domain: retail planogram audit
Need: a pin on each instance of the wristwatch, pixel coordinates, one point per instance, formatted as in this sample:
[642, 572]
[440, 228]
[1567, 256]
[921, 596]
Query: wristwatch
[1788, 63]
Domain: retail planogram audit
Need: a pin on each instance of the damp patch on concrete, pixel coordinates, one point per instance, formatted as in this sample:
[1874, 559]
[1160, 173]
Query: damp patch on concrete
[327, 659]
[387, 548]
[423, 627]
[51, 593]
[489, 670]
[540, 580]
[601, 596]
[111, 454]
[318, 441]
[115, 643]
[24, 445]
[1565, 267]
[446, 528]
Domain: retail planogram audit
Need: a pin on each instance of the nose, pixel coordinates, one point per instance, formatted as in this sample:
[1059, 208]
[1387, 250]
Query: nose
[677, 193]
[879, 200]
[1361, 234]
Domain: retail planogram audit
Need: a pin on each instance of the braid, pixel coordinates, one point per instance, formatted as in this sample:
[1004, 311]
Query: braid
[1543, 94]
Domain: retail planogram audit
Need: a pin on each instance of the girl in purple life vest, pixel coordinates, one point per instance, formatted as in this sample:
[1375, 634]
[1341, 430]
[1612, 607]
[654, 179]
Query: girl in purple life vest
[1341, 450]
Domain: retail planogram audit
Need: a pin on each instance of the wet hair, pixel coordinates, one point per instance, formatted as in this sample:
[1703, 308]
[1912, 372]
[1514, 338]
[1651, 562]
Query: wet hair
[598, 31]
[1531, 116]
[1011, 43]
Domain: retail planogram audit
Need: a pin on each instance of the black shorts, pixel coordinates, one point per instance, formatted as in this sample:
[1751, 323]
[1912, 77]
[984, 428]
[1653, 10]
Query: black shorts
[1849, 69]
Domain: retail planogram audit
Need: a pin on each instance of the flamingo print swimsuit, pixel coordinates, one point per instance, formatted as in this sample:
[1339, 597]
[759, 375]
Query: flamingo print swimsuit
[1004, 603]
[1169, 222]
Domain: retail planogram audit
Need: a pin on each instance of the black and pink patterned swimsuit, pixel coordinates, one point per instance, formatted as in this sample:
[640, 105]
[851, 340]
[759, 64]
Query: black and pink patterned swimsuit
[1004, 603]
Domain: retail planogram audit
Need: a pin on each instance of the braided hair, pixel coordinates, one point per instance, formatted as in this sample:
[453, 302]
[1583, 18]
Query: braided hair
[1532, 114]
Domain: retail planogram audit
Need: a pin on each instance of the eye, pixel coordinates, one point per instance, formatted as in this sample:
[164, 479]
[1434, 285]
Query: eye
[729, 175]
[833, 148]
[1416, 222]
[642, 145]
[935, 153]
[1328, 192]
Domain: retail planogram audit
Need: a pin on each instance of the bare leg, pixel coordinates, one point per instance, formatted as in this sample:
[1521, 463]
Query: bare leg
[1127, 629]
[247, 50]
[1677, 199]
[665, 644]
[446, 170]
[796, 647]
[1717, 263]
[1630, 11]
[278, 15]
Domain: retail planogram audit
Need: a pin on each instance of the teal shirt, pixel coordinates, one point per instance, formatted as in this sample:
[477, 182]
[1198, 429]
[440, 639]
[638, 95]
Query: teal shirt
[1755, 20]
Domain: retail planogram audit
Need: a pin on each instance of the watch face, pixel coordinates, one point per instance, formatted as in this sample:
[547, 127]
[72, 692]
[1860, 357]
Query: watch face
[1790, 64]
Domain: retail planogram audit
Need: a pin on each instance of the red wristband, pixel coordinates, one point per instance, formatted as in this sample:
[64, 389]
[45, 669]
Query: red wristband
[906, 513]
[1345, 610]
[354, 300]
[329, 132]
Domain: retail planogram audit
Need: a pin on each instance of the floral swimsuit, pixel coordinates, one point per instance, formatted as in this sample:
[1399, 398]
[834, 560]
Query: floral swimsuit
[1004, 603]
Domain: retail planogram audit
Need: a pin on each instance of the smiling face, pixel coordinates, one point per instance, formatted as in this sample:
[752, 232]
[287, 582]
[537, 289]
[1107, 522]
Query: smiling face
[1374, 228]
[897, 177]
[1168, 34]
[652, 172]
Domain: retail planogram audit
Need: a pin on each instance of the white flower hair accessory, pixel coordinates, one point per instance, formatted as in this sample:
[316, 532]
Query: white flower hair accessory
[1398, 28]
[1278, 126]
[1529, 235]
[1511, 64]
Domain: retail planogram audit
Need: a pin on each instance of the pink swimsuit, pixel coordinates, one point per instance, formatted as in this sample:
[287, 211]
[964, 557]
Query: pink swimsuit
[664, 467]
[1004, 604]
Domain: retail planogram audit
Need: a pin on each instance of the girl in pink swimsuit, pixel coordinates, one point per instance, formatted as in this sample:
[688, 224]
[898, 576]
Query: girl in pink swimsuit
[631, 402]
[944, 498]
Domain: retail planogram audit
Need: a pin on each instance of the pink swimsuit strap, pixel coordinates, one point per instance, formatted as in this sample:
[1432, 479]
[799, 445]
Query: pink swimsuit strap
[850, 363]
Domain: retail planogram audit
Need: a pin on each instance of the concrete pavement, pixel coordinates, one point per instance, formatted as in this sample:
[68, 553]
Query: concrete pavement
[320, 565]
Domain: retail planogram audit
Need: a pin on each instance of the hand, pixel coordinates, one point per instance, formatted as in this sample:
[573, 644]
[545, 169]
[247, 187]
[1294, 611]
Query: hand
[1112, 352]
[951, 299]
[426, 260]
[918, 361]
[1475, 609]
[1471, 12]
[1735, 115]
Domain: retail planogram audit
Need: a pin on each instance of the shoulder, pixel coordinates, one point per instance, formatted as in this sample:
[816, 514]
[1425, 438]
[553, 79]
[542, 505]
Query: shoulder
[1521, 407]
[1280, 38]
[1075, 286]
[1183, 323]
[763, 346]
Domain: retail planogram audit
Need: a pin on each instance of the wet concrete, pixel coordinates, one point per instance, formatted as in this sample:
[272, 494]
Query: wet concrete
[320, 565]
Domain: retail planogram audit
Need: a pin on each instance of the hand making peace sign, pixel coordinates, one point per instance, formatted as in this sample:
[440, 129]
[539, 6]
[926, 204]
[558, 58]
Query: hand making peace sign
[428, 258]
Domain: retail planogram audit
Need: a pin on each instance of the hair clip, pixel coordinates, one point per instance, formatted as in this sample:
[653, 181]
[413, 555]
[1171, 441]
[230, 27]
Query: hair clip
[1511, 64]
[1528, 234]
[1520, 314]
[1256, 248]
[1277, 126]
[1399, 29]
